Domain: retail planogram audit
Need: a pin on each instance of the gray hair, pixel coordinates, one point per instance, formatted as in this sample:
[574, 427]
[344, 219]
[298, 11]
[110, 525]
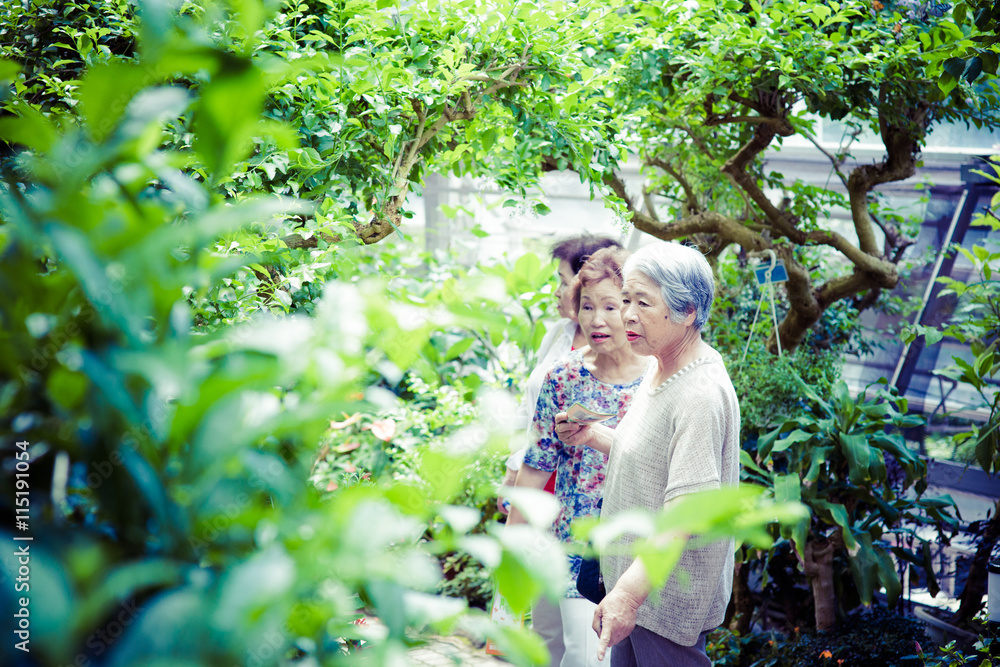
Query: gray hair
[684, 275]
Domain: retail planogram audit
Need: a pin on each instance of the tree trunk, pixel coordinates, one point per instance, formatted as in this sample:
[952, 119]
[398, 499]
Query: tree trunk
[742, 603]
[819, 568]
[971, 597]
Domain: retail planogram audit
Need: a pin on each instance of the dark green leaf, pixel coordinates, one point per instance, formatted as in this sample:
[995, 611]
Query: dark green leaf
[973, 69]
[954, 67]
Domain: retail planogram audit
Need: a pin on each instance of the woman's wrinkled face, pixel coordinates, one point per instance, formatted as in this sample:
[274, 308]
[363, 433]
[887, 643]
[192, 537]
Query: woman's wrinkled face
[646, 317]
[564, 299]
[600, 316]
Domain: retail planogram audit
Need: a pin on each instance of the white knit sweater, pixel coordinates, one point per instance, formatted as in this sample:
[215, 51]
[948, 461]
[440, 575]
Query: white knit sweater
[677, 438]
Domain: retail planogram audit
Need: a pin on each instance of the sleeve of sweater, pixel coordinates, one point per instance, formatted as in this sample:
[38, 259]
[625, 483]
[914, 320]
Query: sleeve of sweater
[699, 432]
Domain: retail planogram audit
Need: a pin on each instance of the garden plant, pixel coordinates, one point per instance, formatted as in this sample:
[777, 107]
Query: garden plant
[235, 447]
[255, 412]
[976, 322]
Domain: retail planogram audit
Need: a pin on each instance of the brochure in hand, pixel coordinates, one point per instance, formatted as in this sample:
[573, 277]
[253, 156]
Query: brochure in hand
[578, 413]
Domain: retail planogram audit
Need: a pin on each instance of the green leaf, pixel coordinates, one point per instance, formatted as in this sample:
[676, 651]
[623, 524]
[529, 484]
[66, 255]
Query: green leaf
[954, 67]
[787, 488]
[250, 14]
[125, 583]
[519, 645]
[931, 335]
[990, 61]
[226, 116]
[488, 138]
[105, 93]
[929, 569]
[67, 388]
[973, 69]
[986, 446]
[864, 568]
[29, 128]
[532, 563]
[8, 69]
[838, 514]
[660, 561]
[854, 448]
[459, 348]
[793, 438]
[818, 456]
[747, 462]
[959, 13]
[444, 473]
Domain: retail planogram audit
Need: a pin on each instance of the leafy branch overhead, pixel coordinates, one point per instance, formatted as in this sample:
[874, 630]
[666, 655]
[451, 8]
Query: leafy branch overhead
[376, 96]
[711, 90]
[394, 94]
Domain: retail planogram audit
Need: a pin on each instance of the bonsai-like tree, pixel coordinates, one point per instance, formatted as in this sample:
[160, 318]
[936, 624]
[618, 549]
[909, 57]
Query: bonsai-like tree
[711, 88]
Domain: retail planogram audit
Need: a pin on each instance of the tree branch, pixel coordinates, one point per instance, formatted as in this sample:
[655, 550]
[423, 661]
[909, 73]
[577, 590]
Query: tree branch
[647, 202]
[639, 219]
[804, 309]
[705, 222]
[835, 161]
[842, 287]
[730, 120]
[747, 102]
[783, 223]
[698, 142]
[691, 198]
[388, 218]
[886, 271]
[295, 241]
[901, 162]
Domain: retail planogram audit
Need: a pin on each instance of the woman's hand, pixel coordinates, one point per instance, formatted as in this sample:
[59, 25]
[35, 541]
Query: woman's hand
[572, 433]
[579, 434]
[614, 619]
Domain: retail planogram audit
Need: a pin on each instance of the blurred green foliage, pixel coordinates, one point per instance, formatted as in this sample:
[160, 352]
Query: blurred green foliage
[181, 370]
[169, 456]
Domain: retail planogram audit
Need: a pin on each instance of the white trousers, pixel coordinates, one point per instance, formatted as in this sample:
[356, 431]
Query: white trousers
[566, 629]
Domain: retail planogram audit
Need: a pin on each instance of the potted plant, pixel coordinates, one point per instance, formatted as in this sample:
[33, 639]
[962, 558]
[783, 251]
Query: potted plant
[835, 456]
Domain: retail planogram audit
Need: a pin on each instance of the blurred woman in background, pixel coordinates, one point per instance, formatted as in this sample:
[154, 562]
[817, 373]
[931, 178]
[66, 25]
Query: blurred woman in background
[562, 337]
[602, 377]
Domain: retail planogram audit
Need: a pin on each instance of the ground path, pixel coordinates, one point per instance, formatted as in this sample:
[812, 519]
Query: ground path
[446, 651]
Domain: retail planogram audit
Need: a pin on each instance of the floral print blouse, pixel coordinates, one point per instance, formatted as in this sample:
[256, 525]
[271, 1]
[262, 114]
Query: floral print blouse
[579, 470]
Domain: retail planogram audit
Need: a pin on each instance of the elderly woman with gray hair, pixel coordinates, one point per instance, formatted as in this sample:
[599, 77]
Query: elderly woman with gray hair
[680, 436]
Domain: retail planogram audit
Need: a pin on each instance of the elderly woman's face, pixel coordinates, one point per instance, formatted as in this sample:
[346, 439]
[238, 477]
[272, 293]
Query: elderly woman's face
[564, 298]
[600, 316]
[646, 317]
